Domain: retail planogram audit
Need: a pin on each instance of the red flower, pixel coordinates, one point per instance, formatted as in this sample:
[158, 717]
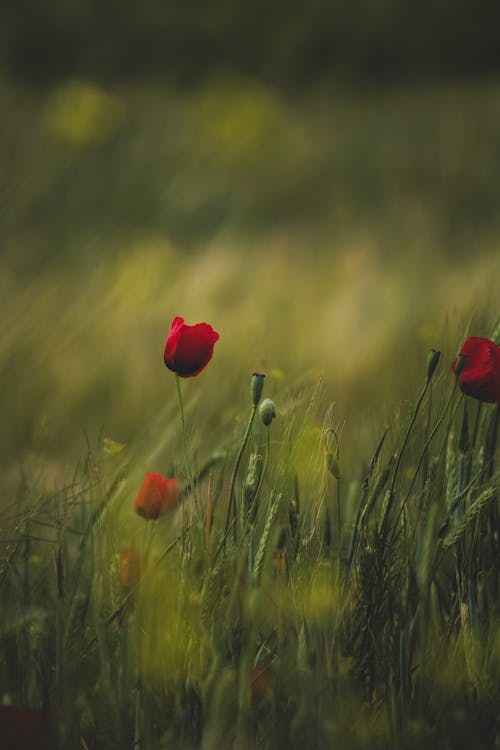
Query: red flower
[479, 369]
[189, 349]
[156, 496]
[25, 728]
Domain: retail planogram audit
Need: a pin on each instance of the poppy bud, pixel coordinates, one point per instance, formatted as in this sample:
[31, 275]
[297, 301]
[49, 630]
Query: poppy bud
[432, 362]
[156, 496]
[256, 386]
[267, 411]
[459, 364]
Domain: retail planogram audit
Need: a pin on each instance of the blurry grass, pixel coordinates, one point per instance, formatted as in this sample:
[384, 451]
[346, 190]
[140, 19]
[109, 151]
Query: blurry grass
[338, 234]
[331, 241]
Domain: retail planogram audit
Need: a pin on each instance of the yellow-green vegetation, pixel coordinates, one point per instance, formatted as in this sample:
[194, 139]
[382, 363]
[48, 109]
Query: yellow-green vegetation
[349, 596]
[359, 612]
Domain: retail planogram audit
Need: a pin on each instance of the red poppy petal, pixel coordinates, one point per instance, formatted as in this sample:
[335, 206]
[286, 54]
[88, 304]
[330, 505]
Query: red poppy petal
[189, 349]
[156, 496]
[195, 349]
[173, 339]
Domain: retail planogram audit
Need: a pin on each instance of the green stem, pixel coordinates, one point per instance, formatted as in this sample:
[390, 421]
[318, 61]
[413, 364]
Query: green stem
[339, 522]
[255, 507]
[331, 431]
[421, 397]
[421, 459]
[189, 470]
[232, 505]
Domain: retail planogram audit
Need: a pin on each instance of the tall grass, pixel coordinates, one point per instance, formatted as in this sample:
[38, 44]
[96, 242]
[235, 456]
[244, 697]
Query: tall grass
[348, 612]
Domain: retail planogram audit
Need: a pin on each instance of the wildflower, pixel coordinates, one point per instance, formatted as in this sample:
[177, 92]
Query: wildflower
[189, 349]
[130, 564]
[156, 496]
[477, 369]
[25, 728]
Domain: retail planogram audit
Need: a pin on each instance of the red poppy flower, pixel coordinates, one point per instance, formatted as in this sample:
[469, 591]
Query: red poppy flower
[25, 728]
[156, 496]
[130, 564]
[189, 349]
[479, 369]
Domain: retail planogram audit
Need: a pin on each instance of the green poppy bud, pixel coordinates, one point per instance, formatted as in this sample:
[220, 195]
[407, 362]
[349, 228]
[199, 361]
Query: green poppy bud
[256, 386]
[432, 362]
[459, 364]
[267, 411]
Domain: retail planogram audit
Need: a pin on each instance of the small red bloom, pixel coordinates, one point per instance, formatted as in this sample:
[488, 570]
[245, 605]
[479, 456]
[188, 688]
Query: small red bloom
[189, 349]
[25, 728]
[156, 496]
[479, 375]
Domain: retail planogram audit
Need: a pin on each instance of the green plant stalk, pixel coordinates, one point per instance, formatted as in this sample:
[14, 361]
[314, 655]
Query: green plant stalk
[339, 507]
[189, 469]
[422, 458]
[255, 507]
[416, 410]
[231, 504]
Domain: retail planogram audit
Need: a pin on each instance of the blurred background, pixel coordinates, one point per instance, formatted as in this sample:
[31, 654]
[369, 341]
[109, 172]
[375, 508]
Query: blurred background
[319, 181]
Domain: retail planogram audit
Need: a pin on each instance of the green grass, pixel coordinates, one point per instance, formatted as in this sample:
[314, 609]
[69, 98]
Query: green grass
[380, 632]
[370, 217]
[332, 241]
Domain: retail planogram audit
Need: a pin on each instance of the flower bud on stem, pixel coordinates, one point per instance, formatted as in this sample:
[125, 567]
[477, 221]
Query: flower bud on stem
[267, 411]
[256, 387]
[432, 362]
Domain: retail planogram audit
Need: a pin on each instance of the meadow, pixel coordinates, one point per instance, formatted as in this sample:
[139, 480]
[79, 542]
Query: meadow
[327, 580]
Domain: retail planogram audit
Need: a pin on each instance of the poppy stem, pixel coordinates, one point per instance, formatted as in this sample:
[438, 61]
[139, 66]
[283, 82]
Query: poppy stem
[423, 454]
[232, 504]
[255, 507]
[191, 481]
[385, 520]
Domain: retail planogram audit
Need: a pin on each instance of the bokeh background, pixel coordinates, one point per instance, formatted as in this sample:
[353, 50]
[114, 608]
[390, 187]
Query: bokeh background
[319, 181]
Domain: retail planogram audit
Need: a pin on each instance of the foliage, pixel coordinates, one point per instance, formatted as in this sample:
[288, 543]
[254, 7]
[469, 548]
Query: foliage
[299, 609]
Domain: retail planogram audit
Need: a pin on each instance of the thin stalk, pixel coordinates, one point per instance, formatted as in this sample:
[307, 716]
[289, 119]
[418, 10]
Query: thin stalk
[339, 507]
[232, 504]
[476, 424]
[255, 507]
[330, 430]
[189, 469]
[416, 410]
[339, 522]
[421, 459]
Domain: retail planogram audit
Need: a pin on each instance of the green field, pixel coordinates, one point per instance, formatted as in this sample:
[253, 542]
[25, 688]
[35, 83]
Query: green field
[332, 238]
